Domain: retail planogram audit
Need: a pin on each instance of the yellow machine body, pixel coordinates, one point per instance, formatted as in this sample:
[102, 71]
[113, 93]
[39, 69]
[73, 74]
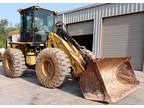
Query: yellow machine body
[31, 58]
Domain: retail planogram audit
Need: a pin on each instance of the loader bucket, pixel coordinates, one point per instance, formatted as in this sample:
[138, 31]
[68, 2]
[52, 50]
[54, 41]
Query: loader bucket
[108, 80]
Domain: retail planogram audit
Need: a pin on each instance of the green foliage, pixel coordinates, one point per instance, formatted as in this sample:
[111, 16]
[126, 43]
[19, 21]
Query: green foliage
[4, 31]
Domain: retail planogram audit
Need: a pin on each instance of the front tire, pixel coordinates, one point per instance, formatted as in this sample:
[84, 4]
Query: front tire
[13, 62]
[52, 64]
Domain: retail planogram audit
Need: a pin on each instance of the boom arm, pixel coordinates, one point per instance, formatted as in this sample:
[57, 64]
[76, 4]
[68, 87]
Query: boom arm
[62, 32]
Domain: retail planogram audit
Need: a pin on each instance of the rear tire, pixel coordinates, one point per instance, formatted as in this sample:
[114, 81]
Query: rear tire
[13, 62]
[52, 64]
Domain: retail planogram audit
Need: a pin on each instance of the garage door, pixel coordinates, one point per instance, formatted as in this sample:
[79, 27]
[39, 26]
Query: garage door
[82, 32]
[124, 36]
[80, 28]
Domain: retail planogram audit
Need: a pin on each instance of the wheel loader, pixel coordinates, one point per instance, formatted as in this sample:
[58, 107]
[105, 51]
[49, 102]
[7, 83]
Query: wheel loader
[47, 47]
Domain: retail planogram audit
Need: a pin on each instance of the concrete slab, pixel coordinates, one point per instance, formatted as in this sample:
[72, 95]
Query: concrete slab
[28, 90]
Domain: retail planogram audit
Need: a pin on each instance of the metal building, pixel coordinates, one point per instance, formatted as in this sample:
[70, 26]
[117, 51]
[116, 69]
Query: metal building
[109, 29]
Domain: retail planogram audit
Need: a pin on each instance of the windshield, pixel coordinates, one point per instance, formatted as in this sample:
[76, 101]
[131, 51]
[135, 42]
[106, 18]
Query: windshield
[43, 23]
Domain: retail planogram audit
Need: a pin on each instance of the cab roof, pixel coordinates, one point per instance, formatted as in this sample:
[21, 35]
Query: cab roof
[33, 8]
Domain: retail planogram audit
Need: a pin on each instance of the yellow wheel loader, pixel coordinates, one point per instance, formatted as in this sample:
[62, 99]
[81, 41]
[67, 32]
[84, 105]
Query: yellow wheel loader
[50, 50]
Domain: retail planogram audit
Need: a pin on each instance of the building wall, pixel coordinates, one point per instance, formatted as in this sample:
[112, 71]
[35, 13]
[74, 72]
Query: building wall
[97, 13]
[124, 36]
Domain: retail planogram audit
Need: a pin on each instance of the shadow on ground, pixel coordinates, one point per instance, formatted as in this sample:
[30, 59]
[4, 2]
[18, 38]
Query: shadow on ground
[70, 85]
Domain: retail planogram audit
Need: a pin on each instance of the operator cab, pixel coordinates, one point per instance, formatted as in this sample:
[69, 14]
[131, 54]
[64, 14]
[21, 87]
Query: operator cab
[36, 23]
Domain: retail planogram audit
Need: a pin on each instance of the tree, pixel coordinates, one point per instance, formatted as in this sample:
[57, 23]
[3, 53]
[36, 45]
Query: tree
[5, 30]
[3, 25]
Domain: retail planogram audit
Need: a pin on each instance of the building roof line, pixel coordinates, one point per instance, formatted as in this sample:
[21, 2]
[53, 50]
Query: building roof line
[82, 8]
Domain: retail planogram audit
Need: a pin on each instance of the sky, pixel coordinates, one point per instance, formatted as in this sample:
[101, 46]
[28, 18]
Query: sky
[9, 10]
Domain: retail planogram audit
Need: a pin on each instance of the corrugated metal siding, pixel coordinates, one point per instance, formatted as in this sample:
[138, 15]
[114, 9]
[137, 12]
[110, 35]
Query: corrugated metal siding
[99, 12]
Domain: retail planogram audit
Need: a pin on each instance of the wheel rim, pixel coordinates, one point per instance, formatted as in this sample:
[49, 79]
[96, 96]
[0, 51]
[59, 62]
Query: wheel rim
[9, 63]
[48, 68]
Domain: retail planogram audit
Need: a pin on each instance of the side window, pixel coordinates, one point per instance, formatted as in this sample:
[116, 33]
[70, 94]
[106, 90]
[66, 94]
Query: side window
[28, 20]
[26, 27]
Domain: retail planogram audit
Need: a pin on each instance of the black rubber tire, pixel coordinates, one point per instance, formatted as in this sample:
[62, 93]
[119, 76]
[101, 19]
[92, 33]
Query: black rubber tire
[52, 64]
[13, 62]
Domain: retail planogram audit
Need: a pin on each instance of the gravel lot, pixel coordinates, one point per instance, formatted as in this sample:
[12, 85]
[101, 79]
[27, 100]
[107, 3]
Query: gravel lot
[27, 90]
